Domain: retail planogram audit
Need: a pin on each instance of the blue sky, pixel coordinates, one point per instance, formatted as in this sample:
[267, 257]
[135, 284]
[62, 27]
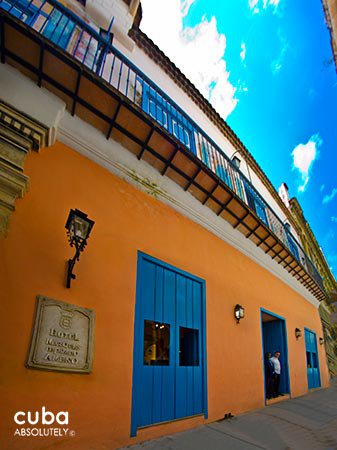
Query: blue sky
[266, 66]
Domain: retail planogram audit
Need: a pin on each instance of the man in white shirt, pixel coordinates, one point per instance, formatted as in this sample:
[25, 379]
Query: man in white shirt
[277, 373]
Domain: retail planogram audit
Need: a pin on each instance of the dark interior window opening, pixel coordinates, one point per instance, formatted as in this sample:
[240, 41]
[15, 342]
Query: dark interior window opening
[189, 347]
[156, 343]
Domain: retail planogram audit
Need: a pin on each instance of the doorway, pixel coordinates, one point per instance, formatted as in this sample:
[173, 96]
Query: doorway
[314, 379]
[274, 338]
[169, 367]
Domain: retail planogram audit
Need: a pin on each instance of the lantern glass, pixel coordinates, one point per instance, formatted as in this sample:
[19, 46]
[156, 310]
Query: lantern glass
[239, 312]
[298, 333]
[78, 228]
[78, 225]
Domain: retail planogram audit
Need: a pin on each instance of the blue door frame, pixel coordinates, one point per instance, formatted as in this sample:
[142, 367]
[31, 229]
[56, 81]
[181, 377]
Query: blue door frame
[312, 360]
[283, 349]
[173, 389]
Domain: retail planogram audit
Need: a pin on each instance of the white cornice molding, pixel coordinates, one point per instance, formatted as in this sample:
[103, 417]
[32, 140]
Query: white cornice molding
[89, 142]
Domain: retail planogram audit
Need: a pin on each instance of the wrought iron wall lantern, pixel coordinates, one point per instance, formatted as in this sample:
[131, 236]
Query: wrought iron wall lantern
[239, 313]
[78, 230]
[321, 341]
[298, 333]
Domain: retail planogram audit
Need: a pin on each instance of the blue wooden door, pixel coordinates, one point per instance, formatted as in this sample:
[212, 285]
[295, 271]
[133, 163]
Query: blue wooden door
[169, 370]
[314, 380]
[274, 339]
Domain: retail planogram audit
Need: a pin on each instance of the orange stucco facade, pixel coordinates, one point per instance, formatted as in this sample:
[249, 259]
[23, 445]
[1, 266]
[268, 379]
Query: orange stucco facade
[33, 261]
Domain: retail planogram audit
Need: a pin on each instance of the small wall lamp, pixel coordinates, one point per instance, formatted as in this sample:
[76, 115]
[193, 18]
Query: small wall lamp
[239, 313]
[321, 341]
[298, 333]
[78, 229]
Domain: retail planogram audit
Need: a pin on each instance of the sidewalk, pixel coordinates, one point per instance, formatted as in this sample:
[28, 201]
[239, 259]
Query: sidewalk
[304, 423]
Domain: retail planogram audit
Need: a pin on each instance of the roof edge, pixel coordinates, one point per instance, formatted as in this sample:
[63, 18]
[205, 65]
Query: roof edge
[296, 205]
[159, 57]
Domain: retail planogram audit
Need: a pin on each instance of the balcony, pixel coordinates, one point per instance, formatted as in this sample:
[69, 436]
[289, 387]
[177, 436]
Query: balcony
[55, 48]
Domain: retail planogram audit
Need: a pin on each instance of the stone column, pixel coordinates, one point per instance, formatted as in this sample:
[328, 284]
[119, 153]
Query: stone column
[19, 135]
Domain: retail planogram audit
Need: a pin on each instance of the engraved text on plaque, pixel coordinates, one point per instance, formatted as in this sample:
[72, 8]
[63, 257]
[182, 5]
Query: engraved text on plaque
[63, 337]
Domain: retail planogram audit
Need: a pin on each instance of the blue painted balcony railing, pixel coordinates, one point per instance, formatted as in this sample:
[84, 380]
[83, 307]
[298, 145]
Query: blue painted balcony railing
[68, 31]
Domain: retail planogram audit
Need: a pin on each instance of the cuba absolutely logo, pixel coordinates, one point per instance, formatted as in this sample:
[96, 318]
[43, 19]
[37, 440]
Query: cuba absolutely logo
[44, 423]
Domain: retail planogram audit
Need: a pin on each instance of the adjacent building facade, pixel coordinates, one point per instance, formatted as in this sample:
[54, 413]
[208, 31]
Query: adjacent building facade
[330, 11]
[312, 248]
[194, 268]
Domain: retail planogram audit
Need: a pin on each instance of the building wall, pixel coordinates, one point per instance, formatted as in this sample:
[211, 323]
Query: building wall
[33, 261]
[25, 96]
[165, 82]
[314, 251]
[330, 333]
[149, 67]
[311, 246]
[330, 11]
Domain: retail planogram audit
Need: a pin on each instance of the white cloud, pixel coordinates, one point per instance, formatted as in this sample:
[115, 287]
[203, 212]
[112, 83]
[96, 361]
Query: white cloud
[252, 3]
[328, 198]
[243, 51]
[304, 156]
[242, 86]
[198, 51]
[185, 6]
[253, 6]
[267, 3]
[277, 64]
[256, 5]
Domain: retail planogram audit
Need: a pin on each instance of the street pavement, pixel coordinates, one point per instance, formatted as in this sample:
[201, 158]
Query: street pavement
[303, 423]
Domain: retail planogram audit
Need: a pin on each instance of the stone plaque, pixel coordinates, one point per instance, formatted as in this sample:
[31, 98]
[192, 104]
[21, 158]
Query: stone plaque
[63, 337]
